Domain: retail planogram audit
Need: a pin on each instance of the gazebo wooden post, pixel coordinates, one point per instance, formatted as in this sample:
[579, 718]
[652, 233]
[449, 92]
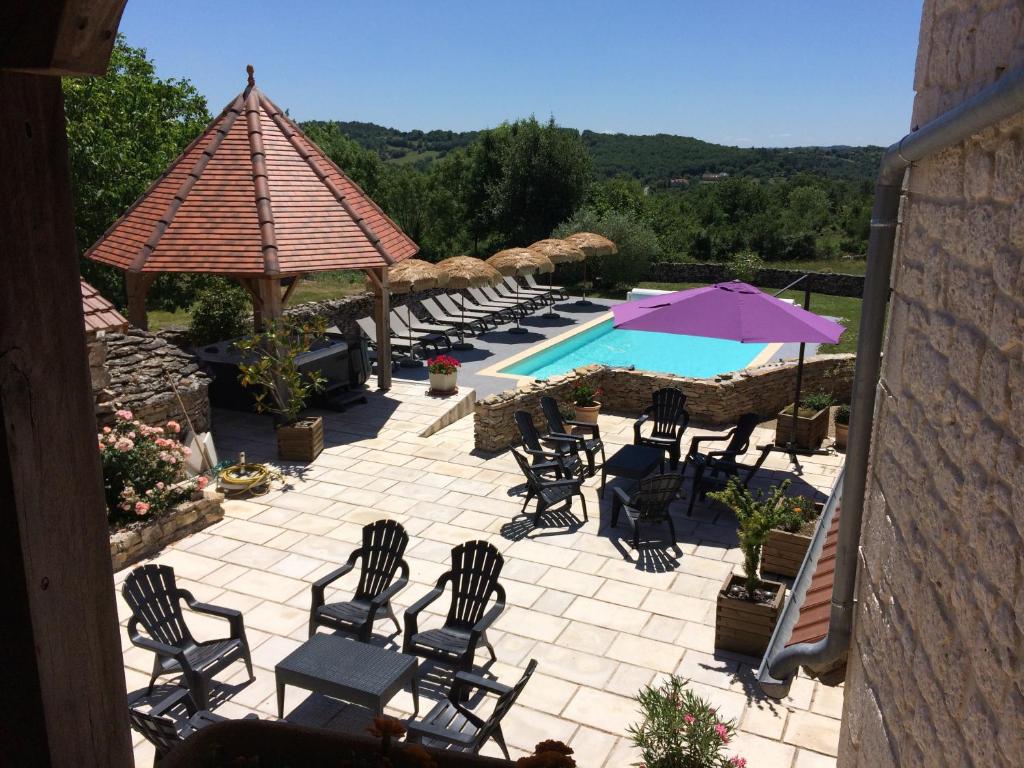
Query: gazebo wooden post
[270, 307]
[381, 314]
[136, 285]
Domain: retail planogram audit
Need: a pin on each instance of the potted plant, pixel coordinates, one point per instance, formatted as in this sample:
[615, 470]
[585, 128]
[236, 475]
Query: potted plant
[842, 425]
[585, 403]
[811, 421]
[748, 606]
[787, 543]
[444, 373]
[680, 729]
[282, 389]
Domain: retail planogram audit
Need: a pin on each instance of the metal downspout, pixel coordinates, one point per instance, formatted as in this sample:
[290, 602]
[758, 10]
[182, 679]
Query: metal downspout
[999, 101]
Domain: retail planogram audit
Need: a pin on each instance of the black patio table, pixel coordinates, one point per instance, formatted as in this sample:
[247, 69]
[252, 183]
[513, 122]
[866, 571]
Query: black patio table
[346, 669]
[634, 462]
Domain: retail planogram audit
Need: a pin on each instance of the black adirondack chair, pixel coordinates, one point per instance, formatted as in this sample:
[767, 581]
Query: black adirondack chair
[450, 725]
[712, 469]
[562, 453]
[549, 492]
[384, 543]
[669, 419]
[591, 446]
[648, 503]
[476, 566]
[163, 732]
[155, 600]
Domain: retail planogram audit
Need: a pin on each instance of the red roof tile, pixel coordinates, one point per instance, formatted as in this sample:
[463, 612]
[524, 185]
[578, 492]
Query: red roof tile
[252, 196]
[100, 314]
[812, 624]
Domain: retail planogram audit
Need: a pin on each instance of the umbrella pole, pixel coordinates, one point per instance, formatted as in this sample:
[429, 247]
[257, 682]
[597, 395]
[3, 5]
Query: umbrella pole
[583, 287]
[551, 292]
[461, 343]
[518, 328]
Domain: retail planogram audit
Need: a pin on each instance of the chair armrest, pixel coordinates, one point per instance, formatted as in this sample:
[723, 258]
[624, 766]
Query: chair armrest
[489, 618]
[619, 496]
[595, 430]
[181, 695]
[396, 586]
[322, 583]
[696, 441]
[644, 417]
[418, 730]
[162, 649]
[233, 617]
[563, 482]
[413, 611]
[563, 436]
[469, 680]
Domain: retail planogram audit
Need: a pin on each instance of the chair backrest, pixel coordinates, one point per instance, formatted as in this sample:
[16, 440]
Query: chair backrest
[432, 308]
[478, 296]
[493, 293]
[384, 543]
[450, 305]
[668, 412]
[512, 283]
[398, 323]
[528, 430]
[532, 282]
[654, 494]
[531, 475]
[157, 730]
[502, 706]
[740, 441]
[476, 566]
[155, 600]
[366, 325]
[552, 414]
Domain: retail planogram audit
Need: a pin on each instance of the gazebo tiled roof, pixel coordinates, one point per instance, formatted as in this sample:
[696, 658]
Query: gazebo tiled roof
[253, 196]
[100, 314]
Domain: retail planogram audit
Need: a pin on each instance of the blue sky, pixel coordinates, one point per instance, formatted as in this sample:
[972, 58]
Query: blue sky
[764, 73]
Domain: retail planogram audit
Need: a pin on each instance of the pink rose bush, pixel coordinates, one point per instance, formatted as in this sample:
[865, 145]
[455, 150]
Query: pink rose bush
[143, 468]
[681, 730]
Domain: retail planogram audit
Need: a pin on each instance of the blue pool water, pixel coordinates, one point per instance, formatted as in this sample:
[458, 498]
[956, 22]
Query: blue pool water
[694, 356]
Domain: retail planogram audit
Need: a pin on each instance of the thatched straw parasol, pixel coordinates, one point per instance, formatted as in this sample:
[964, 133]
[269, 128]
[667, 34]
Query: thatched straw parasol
[592, 245]
[558, 252]
[467, 272]
[520, 261]
[410, 276]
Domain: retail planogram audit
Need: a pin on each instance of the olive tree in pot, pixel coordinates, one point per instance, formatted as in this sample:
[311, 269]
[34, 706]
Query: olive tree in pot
[282, 388]
[748, 606]
[842, 425]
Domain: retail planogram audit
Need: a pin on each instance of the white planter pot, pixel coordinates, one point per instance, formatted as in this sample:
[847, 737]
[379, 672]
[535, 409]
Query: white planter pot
[443, 382]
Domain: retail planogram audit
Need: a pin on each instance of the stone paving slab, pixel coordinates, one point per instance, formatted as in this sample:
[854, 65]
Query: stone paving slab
[601, 618]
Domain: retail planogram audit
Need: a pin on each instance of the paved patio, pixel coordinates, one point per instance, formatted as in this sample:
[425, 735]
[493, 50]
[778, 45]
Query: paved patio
[601, 619]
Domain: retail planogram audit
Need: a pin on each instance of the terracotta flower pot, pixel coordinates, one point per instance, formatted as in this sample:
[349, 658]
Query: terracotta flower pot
[842, 432]
[588, 413]
[301, 441]
[441, 383]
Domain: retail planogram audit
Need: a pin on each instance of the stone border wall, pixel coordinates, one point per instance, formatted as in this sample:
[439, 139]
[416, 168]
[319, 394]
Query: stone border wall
[764, 390]
[130, 546]
[832, 283]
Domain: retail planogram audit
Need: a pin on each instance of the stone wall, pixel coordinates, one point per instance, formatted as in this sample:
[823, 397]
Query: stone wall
[132, 545]
[832, 283]
[138, 368]
[936, 672]
[764, 390]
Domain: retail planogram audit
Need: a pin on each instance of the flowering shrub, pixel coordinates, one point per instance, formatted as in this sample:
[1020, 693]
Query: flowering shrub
[143, 467]
[443, 364]
[583, 395]
[681, 730]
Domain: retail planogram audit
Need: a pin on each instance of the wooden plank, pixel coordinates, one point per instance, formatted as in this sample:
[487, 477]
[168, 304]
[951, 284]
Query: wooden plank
[381, 313]
[58, 37]
[65, 705]
[136, 286]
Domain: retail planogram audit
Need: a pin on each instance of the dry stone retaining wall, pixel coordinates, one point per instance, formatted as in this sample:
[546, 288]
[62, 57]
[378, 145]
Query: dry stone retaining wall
[936, 670]
[764, 390]
[131, 546]
[832, 283]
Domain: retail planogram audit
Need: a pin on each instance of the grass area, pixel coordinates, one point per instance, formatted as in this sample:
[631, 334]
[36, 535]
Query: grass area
[843, 307]
[842, 266]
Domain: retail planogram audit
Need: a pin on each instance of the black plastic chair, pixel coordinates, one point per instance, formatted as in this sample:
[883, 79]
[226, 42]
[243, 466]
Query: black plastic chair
[549, 492]
[163, 732]
[563, 453]
[476, 566]
[590, 446]
[648, 503]
[669, 419]
[450, 725]
[384, 543]
[712, 469]
[155, 600]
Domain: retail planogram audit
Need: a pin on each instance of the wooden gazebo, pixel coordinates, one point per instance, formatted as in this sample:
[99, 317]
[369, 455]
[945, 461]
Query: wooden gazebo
[255, 200]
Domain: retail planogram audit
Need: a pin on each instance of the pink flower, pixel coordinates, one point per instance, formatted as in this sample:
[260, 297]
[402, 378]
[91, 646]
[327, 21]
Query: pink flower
[160, 485]
[102, 446]
[141, 508]
[124, 414]
[739, 762]
[202, 481]
[723, 732]
[106, 430]
[174, 426]
[689, 719]
[124, 445]
[186, 451]
[126, 506]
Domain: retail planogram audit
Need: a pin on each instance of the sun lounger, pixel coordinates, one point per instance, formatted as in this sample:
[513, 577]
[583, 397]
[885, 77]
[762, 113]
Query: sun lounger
[460, 305]
[418, 325]
[506, 292]
[474, 324]
[558, 291]
[498, 294]
[429, 339]
[495, 303]
[544, 295]
[369, 329]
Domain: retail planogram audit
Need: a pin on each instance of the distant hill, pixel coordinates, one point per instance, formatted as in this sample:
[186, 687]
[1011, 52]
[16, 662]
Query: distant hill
[651, 159]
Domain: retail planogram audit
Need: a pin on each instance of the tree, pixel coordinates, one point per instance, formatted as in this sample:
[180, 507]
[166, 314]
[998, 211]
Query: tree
[638, 246]
[363, 166]
[124, 129]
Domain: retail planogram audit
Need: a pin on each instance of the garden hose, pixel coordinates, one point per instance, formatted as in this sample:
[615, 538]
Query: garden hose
[246, 478]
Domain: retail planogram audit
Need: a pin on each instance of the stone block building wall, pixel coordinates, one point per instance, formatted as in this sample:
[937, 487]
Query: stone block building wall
[936, 669]
[764, 390]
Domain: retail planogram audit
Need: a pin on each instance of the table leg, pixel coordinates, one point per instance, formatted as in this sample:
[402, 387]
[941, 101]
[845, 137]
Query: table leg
[415, 696]
[604, 477]
[280, 700]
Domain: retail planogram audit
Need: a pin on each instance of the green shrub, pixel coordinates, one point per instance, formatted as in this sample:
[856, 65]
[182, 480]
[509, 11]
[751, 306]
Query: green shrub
[794, 513]
[637, 243]
[221, 311]
[843, 414]
[745, 266]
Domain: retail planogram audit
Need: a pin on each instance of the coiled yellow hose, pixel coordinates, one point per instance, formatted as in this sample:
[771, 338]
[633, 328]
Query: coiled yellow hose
[248, 478]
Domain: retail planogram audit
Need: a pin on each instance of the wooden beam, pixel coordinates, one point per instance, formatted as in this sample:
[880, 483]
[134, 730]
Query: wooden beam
[58, 37]
[291, 289]
[381, 316]
[269, 290]
[63, 699]
[136, 286]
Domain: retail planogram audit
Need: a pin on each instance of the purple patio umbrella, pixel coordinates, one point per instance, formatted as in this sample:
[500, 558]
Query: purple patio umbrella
[732, 310]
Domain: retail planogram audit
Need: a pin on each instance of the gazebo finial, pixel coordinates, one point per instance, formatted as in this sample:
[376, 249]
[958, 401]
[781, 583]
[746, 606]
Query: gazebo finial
[249, 69]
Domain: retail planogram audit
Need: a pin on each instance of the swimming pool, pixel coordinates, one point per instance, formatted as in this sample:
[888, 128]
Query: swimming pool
[694, 356]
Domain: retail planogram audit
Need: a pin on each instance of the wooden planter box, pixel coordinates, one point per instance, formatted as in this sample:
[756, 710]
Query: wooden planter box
[784, 552]
[743, 626]
[301, 441]
[810, 431]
